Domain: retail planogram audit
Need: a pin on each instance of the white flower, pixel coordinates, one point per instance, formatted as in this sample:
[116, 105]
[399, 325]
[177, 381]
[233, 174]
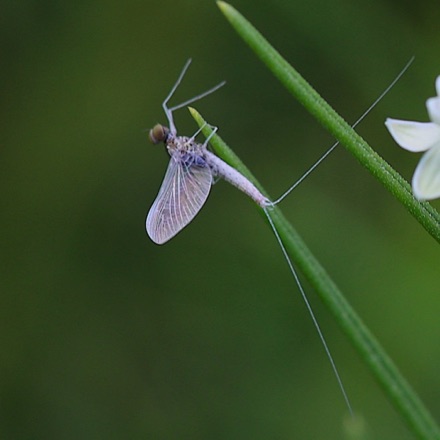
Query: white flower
[422, 136]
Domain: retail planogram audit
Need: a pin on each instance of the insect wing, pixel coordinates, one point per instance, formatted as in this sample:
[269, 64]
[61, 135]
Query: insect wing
[184, 190]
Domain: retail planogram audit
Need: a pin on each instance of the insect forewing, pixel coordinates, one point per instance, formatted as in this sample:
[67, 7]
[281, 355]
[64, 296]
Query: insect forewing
[183, 192]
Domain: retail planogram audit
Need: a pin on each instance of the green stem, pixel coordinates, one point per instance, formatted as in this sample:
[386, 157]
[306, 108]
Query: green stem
[425, 214]
[393, 383]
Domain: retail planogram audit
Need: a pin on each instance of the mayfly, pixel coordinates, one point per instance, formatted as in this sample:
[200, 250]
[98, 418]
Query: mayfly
[191, 172]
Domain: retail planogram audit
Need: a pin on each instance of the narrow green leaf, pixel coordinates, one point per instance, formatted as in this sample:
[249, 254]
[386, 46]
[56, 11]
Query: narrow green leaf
[387, 374]
[425, 214]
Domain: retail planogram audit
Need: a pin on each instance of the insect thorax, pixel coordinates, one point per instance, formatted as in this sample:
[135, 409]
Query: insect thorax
[185, 150]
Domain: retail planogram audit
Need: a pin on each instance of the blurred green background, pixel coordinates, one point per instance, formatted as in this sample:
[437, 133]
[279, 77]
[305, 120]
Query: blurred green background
[105, 335]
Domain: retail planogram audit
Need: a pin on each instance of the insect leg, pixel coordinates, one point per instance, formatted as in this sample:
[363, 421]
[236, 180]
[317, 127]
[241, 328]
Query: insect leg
[169, 111]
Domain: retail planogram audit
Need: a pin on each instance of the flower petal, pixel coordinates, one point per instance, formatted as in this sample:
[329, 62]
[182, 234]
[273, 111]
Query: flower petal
[426, 179]
[437, 85]
[414, 136]
[433, 106]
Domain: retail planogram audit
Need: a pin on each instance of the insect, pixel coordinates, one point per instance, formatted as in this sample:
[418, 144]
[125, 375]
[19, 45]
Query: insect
[189, 177]
[190, 174]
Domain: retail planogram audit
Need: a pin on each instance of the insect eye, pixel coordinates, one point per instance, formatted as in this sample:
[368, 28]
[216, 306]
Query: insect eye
[158, 133]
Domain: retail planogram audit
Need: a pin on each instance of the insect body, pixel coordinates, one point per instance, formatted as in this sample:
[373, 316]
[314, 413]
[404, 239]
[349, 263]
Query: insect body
[187, 183]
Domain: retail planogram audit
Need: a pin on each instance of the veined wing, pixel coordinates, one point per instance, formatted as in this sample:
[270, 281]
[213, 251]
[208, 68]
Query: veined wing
[184, 190]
